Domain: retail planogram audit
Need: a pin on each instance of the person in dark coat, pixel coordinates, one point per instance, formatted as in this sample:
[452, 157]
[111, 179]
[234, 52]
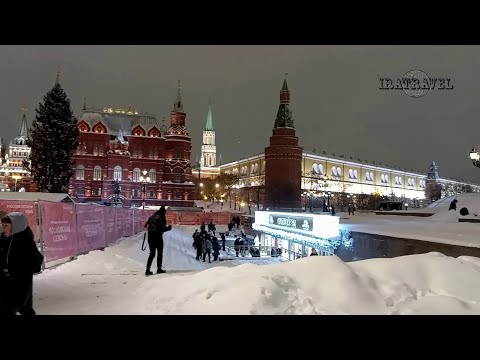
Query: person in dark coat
[223, 240]
[215, 248]
[156, 226]
[242, 247]
[207, 248]
[19, 260]
[453, 205]
[236, 245]
[202, 227]
[197, 243]
[273, 252]
[314, 252]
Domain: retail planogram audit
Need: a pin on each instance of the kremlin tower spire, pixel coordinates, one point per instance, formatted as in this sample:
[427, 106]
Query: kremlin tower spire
[283, 159]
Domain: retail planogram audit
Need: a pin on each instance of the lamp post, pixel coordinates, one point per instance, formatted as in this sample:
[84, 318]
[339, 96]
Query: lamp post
[16, 177]
[475, 157]
[145, 180]
[235, 192]
[200, 190]
[216, 191]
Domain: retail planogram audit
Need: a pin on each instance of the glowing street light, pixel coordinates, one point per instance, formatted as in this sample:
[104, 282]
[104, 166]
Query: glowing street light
[145, 180]
[16, 177]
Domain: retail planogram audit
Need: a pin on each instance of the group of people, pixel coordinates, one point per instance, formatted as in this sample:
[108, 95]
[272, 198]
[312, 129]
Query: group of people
[19, 260]
[235, 223]
[207, 243]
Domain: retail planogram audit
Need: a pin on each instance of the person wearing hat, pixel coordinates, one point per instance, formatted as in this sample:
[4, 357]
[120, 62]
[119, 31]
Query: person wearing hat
[156, 225]
[19, 260]
[2, 214]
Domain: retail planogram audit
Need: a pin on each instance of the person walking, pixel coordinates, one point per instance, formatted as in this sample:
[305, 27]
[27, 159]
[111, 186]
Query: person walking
[156, 226]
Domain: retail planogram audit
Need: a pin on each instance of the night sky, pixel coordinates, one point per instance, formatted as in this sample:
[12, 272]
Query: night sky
[335, 98]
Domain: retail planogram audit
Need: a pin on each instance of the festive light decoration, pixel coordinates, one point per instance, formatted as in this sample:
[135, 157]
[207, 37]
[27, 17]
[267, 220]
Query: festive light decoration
[299, 238]
[344, 238]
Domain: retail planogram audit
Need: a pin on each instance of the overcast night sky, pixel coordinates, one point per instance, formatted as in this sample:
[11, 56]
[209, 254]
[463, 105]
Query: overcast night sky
[337, 106]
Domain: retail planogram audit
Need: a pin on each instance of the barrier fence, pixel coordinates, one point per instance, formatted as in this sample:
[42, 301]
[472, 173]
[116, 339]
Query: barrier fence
[66, 230]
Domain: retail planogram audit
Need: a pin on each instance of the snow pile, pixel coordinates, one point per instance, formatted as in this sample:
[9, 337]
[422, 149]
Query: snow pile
[418, 284]
[440, 208]
[113, 282]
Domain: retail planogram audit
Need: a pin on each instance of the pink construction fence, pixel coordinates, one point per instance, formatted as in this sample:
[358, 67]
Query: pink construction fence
[66, 230]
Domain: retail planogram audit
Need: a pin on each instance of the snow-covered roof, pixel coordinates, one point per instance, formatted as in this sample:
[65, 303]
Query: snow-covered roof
[119, 122]
[35, 196]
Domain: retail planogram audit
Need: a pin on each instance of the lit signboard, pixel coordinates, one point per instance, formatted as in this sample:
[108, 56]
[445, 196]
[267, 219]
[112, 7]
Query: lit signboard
[320, 226]
[291, 221]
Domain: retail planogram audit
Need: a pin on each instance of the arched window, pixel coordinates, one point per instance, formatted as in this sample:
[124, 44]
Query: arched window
[320, 169]
[97, 173]
[315, 169]
[355, 174]
[117, 173]
[136, 175]
[80, 173]
[152, 175]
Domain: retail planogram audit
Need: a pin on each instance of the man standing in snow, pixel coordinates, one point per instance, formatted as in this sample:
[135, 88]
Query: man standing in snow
[19, 260]
[156, 226]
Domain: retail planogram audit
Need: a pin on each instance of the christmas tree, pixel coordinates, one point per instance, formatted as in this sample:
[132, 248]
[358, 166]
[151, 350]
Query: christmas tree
[53, 139]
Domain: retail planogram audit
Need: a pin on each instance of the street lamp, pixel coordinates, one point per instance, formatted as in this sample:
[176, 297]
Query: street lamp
[16, 177]
[145, 180]
[475, 157]
[200, 191]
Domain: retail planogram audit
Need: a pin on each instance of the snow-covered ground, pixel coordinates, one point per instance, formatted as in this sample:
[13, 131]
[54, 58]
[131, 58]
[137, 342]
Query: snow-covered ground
[112, 282]
[213, 206]
[442, 227]
[104, 282]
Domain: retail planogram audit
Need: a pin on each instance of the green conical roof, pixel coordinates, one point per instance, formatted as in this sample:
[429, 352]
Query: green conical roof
[209, 125]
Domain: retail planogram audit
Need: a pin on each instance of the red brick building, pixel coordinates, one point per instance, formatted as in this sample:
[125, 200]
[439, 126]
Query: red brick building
[125, 145]
[283, 160]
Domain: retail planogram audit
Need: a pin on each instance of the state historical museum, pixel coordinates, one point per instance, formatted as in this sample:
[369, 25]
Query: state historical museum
[151, 162]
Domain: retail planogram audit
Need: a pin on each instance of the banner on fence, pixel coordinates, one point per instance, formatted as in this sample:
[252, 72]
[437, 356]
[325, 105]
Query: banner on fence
[109, 225]
[172, 217]
[196, 218]
[28, 208]
[90, 227]
[58, 225]
[128, 222]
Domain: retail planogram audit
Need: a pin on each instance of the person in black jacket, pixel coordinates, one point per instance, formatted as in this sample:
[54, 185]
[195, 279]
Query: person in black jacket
[156, 226]
[198, 245]
[223, 240]
[215, 248]
[19, 260]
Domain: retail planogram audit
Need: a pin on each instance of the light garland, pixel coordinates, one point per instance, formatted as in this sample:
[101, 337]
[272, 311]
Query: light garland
[344, 238]
[299, 238]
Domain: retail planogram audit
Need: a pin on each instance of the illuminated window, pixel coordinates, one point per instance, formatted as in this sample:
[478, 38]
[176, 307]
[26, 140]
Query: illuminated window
[153, 175]
[80, 173]
[136, 175]
[117, 173]
[97, 173]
